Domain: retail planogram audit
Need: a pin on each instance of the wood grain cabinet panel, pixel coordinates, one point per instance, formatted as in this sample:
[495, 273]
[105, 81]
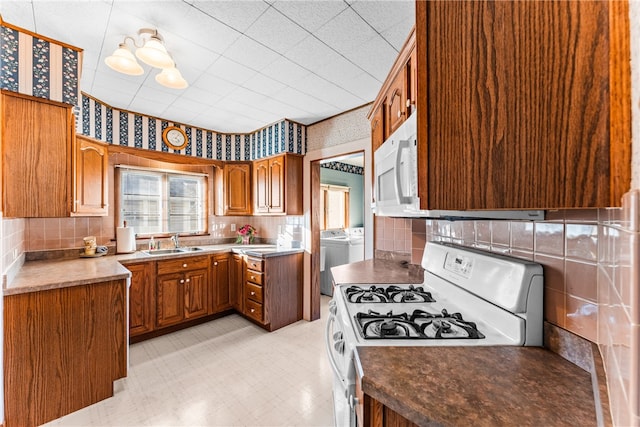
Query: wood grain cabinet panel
[277, 185]
[514, 105]
[236, 187]
[236, 282]
[142, 298]
[273, 290]
[63, 350]
[36, 137]
[170, 299]
[220, 291]
[90, 190]
[196, 286]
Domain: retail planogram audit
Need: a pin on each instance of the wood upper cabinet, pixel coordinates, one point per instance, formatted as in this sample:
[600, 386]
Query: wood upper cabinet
[36, 137]
[142, 298]
[378, 134]
[181, 290]
[277, 185]
[235, 185]
[220, 294]
[91, 165]
[396, 99]
[515, 106]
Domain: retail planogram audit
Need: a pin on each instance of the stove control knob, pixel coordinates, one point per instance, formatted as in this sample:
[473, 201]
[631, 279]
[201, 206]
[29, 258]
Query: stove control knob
[337, 336]
[339, 346]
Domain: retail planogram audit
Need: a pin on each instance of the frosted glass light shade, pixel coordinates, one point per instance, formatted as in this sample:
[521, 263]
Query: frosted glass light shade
[123, 61]
[153, 53]
[171, 78]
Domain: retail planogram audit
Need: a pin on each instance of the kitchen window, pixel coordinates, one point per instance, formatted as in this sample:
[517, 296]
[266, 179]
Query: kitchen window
[155, 201]
[334, 206]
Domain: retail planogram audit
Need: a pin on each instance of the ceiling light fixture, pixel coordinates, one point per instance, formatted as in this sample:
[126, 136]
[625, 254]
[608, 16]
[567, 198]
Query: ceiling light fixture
[152, 52]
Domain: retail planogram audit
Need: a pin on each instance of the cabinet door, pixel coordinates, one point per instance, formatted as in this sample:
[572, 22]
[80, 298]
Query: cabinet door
[196, 284]
[170, 299]
[36, 157]
[237, 189]
[377, 127]
[220, 283]
[261, 186]
[276, 185]
[396, 100]
[91, 161]
[537, 133]
[141, 298]
[236, 281]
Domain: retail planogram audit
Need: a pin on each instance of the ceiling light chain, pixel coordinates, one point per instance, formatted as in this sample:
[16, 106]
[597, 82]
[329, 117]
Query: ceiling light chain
[152, 52]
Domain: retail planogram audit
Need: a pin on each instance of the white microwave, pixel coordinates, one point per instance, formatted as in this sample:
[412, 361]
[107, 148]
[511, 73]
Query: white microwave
[396, 172]
[396, 182]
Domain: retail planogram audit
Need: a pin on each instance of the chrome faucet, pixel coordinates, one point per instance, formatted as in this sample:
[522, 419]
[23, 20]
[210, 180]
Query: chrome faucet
[176, 242]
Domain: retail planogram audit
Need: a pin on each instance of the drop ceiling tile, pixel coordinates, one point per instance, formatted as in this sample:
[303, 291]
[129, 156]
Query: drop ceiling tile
[236, 14]
[231, 71]
[117, 81]
[345, 31]
[203, 30]
[187, 104]
[321, 89]
[246, 109]
[275, 30]
[199, 95]
[263, 85]
[302, 101]
[312, 53]
[375, 56]
[247, 96]
[285, 71]
[338, 71]
[382, 15]
[364, 86]
[251, 53]
[15, 13]
[152, 91]
[397, 34]
[310, 14]
[188, 55]
[212, 84]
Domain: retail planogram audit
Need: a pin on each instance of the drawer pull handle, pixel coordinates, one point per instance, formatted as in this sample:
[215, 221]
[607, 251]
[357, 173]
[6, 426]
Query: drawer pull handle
[184, 265]
[253, 310]
[252, 293]
[253, 277]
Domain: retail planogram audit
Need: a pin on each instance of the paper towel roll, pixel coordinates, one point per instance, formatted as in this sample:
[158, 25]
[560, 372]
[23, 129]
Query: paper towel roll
[125, 240]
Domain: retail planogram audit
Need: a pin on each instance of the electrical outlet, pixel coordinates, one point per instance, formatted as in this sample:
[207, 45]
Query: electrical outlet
[233, 227]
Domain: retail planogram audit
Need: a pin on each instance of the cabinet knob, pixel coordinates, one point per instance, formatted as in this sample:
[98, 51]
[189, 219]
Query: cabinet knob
[188, 280]
[252, 310]
[253, 277]
[184, 265]
[252, 293]
[215, 263]
[181, 280]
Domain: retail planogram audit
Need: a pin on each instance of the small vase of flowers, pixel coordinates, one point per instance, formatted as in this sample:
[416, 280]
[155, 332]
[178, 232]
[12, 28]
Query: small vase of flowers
[246, 234]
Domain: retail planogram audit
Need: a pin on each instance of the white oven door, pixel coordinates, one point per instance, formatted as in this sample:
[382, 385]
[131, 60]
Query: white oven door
[339, 354]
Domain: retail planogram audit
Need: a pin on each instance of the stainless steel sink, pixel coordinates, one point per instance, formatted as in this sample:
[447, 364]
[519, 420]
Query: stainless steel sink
[172, 251]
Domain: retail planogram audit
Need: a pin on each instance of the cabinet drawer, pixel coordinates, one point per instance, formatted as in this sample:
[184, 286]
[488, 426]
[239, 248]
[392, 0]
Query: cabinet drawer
[254, 277]
[253, 292]
[182, 264]
[254, 264]
[253, 309]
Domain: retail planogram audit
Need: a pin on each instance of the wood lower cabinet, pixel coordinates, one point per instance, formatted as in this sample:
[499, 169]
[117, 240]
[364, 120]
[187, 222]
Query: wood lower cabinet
[277, 185]
[36, 137]
[220, 292]
[91, 165]
[181, 290]
[142, 298]
[372, 413]
[273, 290]
[236, 282]
[63, 348]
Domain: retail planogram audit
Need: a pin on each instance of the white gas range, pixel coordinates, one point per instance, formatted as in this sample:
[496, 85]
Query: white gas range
[468, 298]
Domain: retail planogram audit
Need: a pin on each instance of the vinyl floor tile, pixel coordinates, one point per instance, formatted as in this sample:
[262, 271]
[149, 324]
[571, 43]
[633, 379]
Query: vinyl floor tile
[227, 372]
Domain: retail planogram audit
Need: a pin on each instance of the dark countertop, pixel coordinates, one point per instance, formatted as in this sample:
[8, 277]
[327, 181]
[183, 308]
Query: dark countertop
[34, 276]
[480, 386]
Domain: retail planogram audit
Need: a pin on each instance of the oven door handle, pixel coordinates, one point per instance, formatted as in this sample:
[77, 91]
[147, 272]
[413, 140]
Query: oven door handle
[332, 360]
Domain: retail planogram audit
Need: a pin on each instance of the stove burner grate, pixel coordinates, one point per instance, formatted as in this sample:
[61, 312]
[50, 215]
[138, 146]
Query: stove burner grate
[392, 294]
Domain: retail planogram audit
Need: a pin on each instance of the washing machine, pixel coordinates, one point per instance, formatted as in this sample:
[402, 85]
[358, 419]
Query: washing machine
[338, 247]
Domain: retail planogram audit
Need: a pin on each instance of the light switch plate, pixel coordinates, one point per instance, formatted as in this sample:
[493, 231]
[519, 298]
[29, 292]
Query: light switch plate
[233, 227]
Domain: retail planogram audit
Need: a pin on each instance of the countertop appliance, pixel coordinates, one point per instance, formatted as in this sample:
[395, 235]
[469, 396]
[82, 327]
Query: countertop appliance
[339, 247]
[395, 186]
[468, 298]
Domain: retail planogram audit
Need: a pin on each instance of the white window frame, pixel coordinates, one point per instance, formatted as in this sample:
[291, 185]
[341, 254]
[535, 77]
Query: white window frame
[163, 200]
